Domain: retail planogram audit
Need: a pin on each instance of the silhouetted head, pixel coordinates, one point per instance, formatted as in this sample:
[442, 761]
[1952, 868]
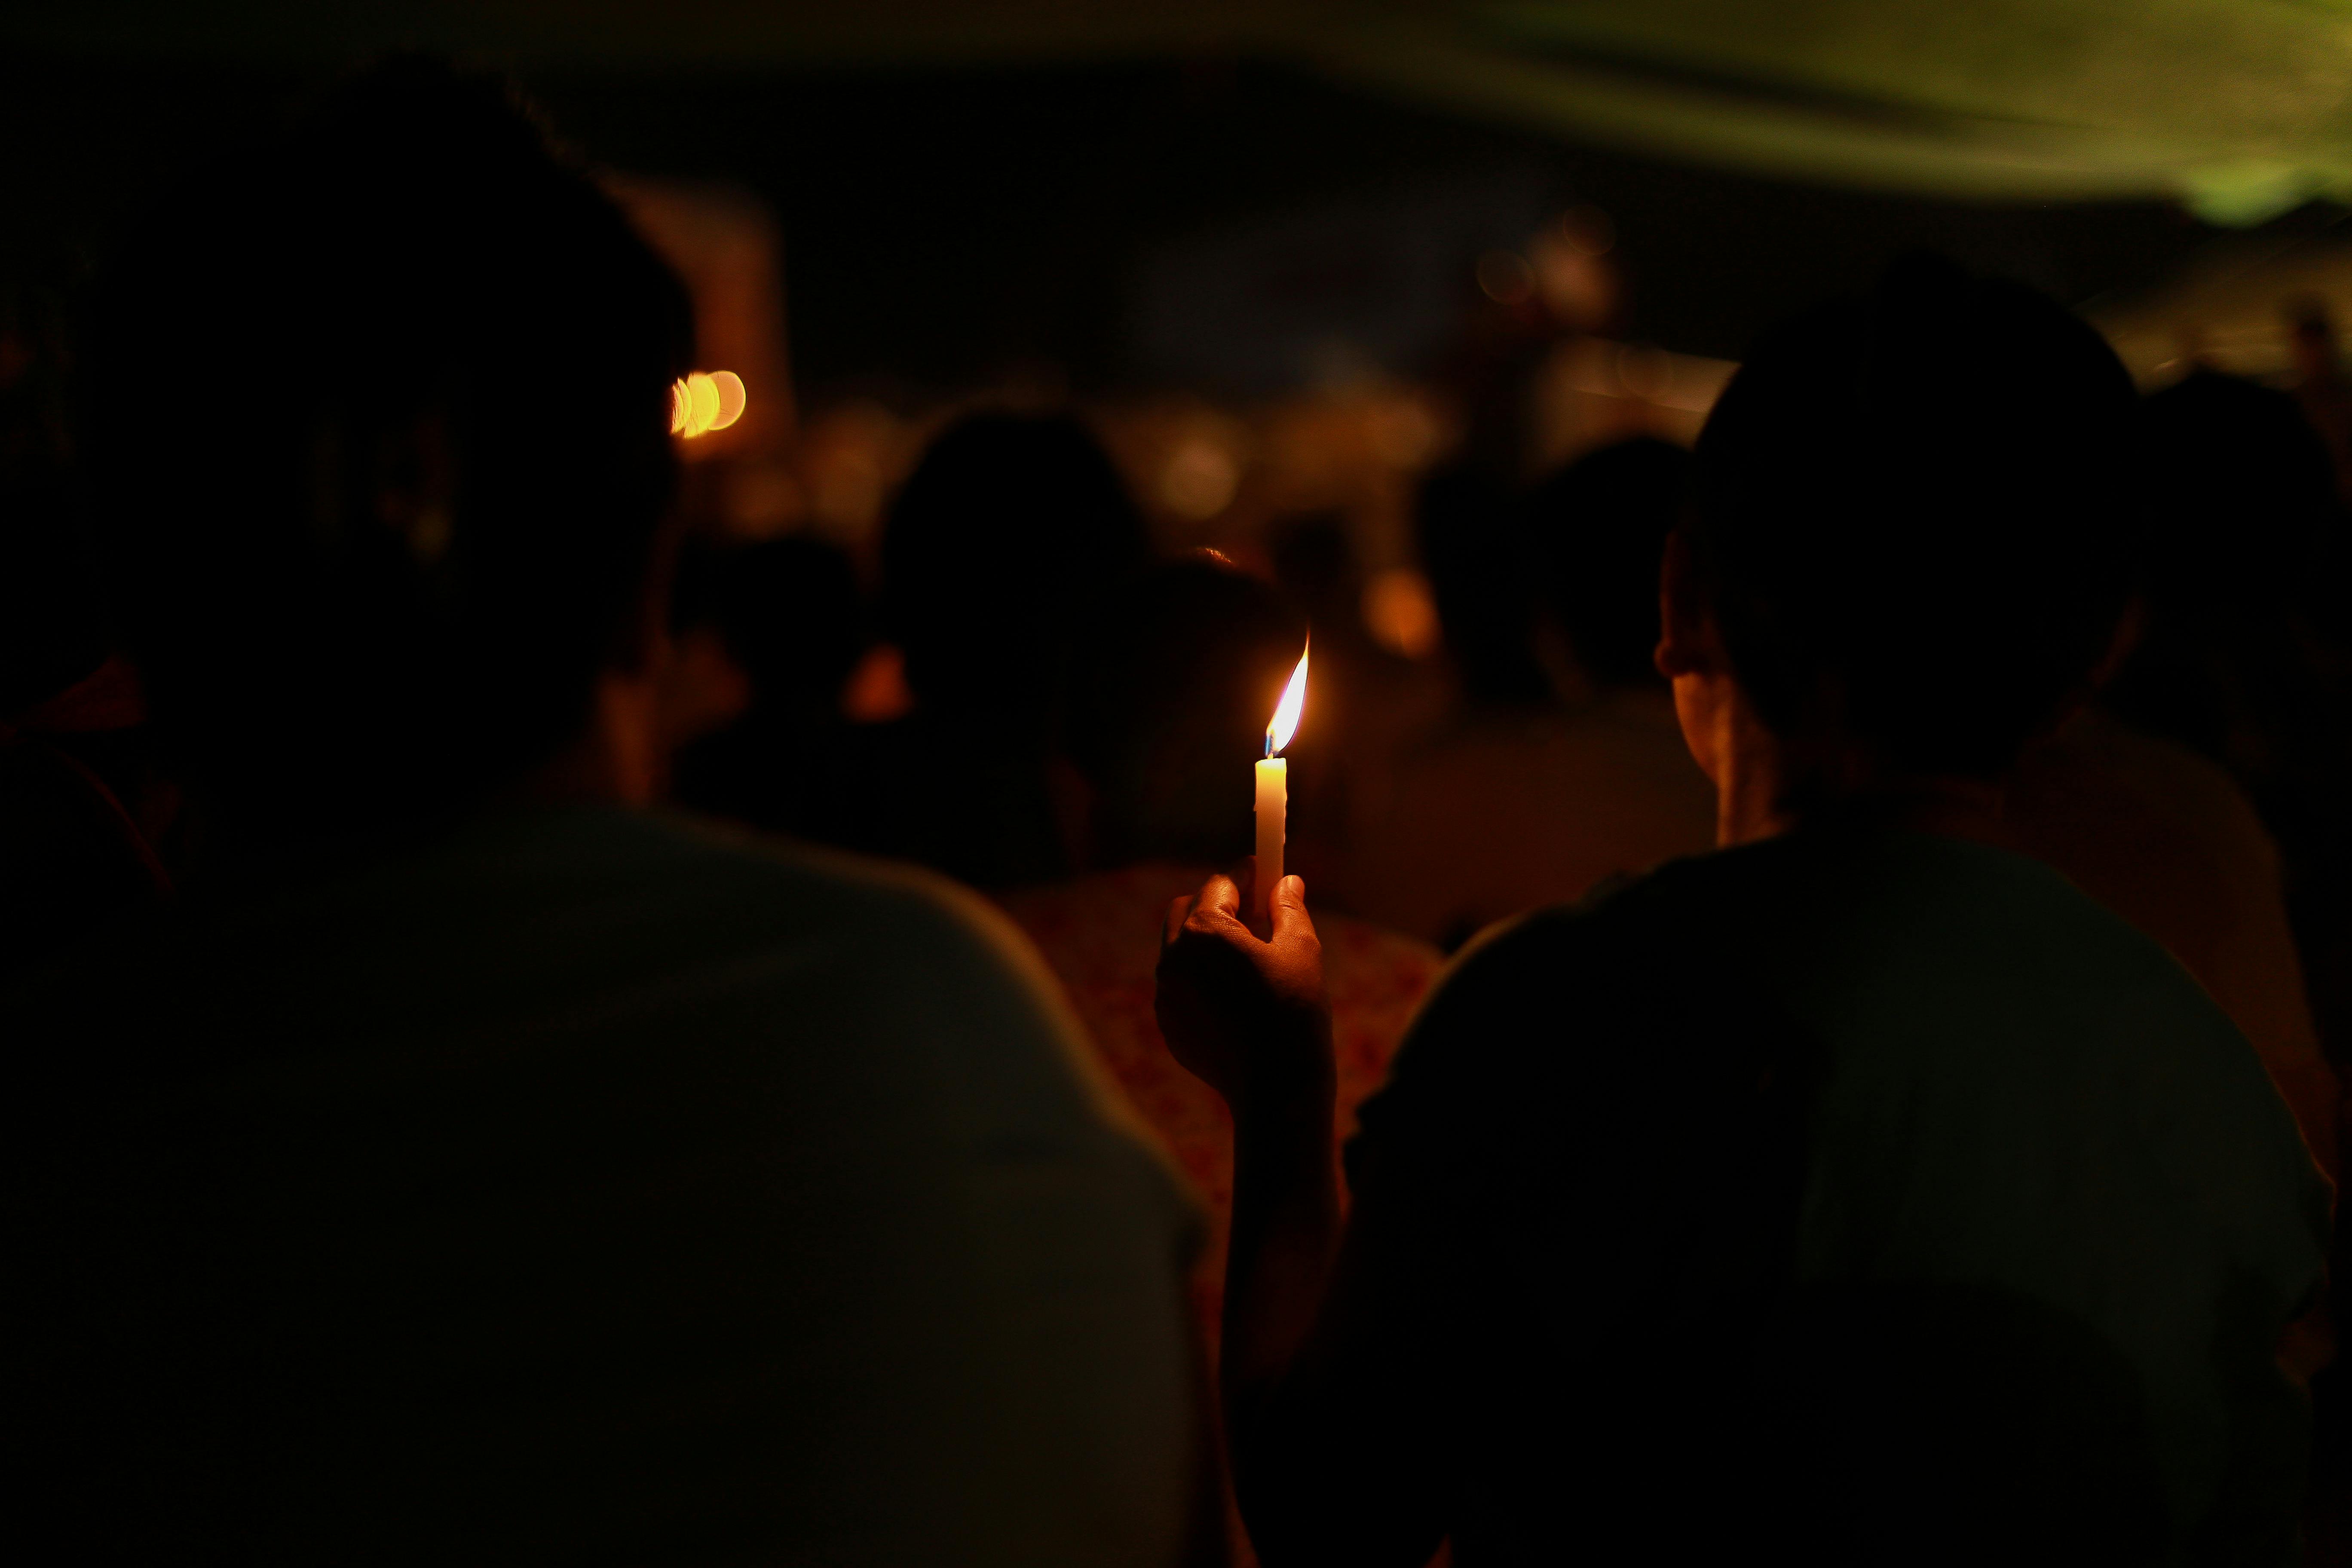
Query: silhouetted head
[999, 550]
[2243, 493]
[1172, 707]
[1912, 518]
[1476, 557]
[1598, 529]
[788, 612]
[382, 418]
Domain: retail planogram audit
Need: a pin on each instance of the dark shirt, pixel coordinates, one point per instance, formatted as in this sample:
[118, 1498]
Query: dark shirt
[1879, 1191]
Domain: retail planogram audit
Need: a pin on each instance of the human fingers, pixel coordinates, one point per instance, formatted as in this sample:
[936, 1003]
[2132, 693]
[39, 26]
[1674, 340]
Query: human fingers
[1171, 925]
[1218, 903]
[1289, 919]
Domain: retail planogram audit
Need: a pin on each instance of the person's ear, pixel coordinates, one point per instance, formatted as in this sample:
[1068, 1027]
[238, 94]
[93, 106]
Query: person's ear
[1685, 646]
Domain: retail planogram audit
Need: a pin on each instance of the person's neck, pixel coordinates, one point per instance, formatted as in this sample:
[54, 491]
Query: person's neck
[1771, 787]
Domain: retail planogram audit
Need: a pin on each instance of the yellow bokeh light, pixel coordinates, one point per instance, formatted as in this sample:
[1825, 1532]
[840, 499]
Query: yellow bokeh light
[704, 401]
[732, 398]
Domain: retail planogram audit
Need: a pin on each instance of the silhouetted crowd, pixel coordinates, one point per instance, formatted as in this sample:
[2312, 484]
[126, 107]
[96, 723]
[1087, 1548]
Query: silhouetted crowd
[1821, 1033]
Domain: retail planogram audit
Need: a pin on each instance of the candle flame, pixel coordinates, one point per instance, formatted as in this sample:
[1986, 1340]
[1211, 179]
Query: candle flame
[1285, 712]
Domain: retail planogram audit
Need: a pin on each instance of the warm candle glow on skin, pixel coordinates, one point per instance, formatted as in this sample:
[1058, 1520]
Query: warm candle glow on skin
[1273, 794]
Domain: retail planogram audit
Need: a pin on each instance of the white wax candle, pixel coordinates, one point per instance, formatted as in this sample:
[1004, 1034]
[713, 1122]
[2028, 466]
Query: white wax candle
[1273, 808]
[1273, 795]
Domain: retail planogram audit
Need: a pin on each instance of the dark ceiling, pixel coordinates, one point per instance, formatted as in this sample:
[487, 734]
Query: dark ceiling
[941, 226]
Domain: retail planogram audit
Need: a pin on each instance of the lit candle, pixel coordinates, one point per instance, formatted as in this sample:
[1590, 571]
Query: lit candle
[1273, 792]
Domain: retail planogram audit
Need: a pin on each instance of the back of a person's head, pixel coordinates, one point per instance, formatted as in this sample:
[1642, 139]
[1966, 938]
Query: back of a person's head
[1475, 556]
[1597, 531]
[996, 556]
[2243, 493]
[787, 610]
[380, 417]
[1171, 706]
[1912, 518]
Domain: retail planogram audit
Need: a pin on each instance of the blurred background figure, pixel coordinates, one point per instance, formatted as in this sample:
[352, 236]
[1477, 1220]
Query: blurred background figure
[84, 811]
[2317, 379]
[998, 556]
[2237, 657]
[766, 637]
[1478, 564]
[2167, 839]
[1514, 804]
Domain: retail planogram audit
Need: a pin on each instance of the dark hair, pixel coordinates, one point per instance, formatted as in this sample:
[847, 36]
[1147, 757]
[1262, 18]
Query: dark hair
[1597, 531]
[2245, 493]
[406, 291]
[1170, 709]
[1476, 561]
[787, 610]
[998, 552]
[1912, 517]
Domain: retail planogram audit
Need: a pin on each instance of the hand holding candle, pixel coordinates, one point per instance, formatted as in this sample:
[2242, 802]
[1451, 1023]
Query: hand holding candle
[1273, 794]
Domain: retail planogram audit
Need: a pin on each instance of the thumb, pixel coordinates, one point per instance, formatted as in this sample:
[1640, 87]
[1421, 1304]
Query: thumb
[1287, 910]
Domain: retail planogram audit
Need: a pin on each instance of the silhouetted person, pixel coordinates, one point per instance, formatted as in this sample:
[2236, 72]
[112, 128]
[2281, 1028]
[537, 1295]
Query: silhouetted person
[995, 559]
[1169, 717]
[1476, 559]
[473, 1167]
[82, 810]
[1640, 1165]
[1508, 808]
[2317, 367]
[2243, 658]
[2168, 839]
[787, 620]
[1596, 531]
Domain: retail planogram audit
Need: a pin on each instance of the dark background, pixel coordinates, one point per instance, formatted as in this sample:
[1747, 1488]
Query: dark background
[942, 227]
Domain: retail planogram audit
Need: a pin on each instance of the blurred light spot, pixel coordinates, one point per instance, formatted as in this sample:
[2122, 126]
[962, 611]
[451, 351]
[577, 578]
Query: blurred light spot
[1505, 277]
[1400, 612]
[704, 401]
[1404, 432]
[876, 690]
[1200, 478]
[732, 398]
